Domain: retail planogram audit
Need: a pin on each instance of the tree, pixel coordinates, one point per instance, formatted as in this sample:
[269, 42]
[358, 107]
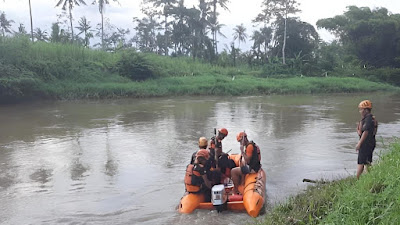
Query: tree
[5, 25]
[41, 35]
[240, 33]
[215, 26]
[287, 7]
[70, 4]
[167, 6]
[261, 39]
[55, 33]
[30, 15]
[180, 29]
[146, 31]
[102, 6]
[21, 31]
[278, 9]
[84, 27]
[371, 35]
[302, 38]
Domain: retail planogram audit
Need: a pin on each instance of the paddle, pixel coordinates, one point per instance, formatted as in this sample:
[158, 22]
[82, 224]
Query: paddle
[215, 148]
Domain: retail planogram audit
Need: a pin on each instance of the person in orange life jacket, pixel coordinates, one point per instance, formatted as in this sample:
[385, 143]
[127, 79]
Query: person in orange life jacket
[219, 162]
[216, 142]
[196, 180]
[202, 145]
[213, 175]
[366, 130]
[251, 158]
[215, 146]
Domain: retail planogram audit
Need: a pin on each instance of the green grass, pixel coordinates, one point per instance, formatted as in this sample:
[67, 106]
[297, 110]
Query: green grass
[374, 199]
[57, 71]
[208, 85]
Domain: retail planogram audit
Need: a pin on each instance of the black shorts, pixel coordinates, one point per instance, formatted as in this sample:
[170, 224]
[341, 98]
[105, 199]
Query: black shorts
[245, 169]
[365, 156]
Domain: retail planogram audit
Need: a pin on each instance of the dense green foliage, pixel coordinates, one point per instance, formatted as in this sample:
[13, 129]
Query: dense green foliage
[371, 35]
[374, 199]
[367, 44]
[59, 71]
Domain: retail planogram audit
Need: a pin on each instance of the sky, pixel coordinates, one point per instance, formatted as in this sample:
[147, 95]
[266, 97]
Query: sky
[240, 12]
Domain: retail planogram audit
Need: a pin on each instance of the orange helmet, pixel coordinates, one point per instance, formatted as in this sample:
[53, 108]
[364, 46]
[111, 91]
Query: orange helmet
[203, 142]
[203, 153]
[366, 104]
[240, 135]
[223, 131]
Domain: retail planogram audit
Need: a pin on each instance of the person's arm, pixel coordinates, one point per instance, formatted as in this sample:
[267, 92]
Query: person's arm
[203, 174]
[362, 139]
[359, 129]
[207, 182]
[247, 154]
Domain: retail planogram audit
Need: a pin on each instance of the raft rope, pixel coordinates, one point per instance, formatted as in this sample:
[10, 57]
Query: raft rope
[258, 187]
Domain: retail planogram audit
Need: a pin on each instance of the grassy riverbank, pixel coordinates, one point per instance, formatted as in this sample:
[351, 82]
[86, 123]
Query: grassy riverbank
[374, 199]
[55, 71]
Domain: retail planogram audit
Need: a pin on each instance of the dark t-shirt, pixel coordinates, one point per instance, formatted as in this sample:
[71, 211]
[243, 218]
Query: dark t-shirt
[367, 124]
[197, 180]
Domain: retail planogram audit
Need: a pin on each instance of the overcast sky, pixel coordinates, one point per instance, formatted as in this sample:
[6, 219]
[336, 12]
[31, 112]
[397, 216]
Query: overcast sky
[241, 11]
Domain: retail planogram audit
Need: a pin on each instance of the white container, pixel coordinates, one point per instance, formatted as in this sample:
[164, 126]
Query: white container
[218, 196]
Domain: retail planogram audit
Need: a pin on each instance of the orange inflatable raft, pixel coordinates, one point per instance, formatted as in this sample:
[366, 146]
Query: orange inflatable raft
[252, 200]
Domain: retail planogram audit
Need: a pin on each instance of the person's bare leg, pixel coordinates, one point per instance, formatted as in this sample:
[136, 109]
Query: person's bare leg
[235, 173]
[360, 169]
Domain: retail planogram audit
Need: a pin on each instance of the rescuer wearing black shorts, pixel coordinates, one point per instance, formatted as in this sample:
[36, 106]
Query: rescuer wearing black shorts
[366, 129]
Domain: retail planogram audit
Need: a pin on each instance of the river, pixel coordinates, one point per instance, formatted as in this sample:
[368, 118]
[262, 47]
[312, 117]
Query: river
[123, 161]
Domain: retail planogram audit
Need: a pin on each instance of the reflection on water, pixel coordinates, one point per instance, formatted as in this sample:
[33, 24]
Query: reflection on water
[41, 175]
[123, 161]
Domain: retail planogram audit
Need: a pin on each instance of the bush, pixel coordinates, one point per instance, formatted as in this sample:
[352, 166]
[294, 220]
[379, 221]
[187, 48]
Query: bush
[388, 75]
[136, 66]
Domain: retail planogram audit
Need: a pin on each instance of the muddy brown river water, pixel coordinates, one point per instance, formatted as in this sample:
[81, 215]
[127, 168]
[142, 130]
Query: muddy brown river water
[123, 161]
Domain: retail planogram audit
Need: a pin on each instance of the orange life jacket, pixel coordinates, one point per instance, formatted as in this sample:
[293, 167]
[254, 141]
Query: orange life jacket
[188, 179]
[255, 158]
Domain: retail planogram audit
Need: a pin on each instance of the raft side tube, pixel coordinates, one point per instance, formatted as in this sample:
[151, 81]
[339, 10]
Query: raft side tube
[190, 202]
[254, 192]
[234, 206]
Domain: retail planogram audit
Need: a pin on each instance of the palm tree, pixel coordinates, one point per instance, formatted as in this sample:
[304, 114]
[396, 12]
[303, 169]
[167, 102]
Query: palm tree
[214, 20]
[70, 4]
[30, 14]
[240, 33]
[5, 25]
[41, 35]
[257, 39]
[84, 27]
[102, 5]
[21, 30]
[167, 5]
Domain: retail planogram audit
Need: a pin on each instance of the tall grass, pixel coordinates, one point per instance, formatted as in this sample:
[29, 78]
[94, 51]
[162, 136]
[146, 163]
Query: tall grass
[209, 85]
[49, 70]
[374, 199]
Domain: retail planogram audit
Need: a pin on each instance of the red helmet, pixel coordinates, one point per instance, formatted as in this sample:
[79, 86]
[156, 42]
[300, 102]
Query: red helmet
[240, 135]
[223, 131]
[366, 104]
[203, 153]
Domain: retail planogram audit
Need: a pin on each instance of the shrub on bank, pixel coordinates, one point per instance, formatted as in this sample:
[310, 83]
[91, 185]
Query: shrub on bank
[136, 66]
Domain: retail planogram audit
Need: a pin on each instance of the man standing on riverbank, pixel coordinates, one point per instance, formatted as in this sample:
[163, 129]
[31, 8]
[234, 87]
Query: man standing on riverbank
[366, 129]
